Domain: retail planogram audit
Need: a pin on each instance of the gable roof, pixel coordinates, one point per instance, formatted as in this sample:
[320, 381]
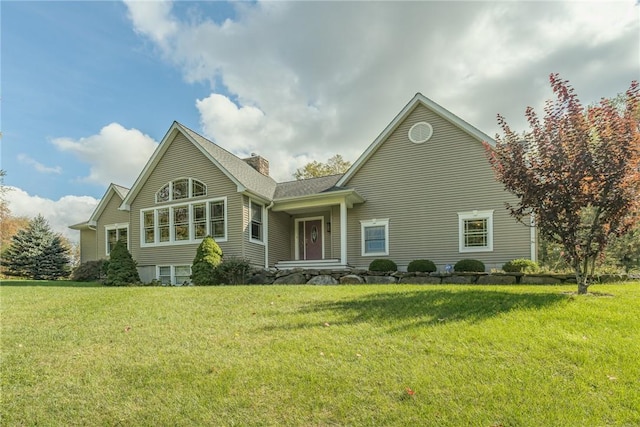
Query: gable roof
[418, 99]
[245, 177]
[116, 189]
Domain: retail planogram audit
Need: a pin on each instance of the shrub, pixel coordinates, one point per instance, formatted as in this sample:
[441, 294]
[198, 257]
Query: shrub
[122, 268]
[469, 265]
[232, 271]
[90, 271]
[383, 265]
[421, 265]
[208, 257]
[521, 265]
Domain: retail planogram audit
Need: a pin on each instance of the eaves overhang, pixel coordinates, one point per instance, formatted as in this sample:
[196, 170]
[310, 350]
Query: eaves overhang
[87, 225]
[349, 196]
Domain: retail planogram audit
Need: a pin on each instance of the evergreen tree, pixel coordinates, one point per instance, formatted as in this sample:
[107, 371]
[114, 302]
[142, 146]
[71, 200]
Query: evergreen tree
[37, 253]
[122, 268]
[208, 257]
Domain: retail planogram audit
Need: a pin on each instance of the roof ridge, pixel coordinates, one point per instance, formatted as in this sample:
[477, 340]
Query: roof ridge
[312, 178]
[210, 141]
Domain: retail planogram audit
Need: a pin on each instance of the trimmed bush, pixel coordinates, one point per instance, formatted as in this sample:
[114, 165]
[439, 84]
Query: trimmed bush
[208, 257]
[383, 265]
[469, 265]
[122, 268]
[90, 271]
[421, 265]
[521, 265]
[232, 271]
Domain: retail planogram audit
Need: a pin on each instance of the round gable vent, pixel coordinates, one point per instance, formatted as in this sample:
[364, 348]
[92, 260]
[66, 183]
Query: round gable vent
[420, 132]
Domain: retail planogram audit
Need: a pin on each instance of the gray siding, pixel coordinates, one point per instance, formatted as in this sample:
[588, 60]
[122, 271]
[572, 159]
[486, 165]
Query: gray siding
[183, 160]
[88, 245]
[280, 237]
[422, 187]
[110, 216]
[252, 251]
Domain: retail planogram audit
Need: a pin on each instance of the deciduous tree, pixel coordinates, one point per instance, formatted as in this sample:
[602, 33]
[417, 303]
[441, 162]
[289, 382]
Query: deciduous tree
[577, 172]
[315, 169]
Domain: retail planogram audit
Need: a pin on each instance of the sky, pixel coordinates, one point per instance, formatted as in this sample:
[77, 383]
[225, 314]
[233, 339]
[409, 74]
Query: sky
[89, 88]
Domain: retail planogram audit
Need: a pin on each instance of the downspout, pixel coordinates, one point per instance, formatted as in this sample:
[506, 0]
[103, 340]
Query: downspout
[534, 246]
[266, 238]
[343, 232]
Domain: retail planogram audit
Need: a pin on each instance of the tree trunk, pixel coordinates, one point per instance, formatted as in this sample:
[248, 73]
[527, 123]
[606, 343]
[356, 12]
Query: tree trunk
[583, 288]
[582, 278]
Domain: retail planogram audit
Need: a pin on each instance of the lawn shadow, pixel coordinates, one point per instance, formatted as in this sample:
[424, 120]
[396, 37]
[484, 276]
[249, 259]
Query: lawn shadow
[49, 283]
[423, 308]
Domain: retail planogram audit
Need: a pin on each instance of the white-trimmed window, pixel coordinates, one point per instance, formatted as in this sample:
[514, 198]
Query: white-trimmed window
[176, 275]
[256, 211]
[184, 223]
[113, 233]
[182, 188]
[475, 231]
[375, 237]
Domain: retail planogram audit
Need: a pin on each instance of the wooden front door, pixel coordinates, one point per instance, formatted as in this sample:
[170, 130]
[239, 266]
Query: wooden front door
[310, 239]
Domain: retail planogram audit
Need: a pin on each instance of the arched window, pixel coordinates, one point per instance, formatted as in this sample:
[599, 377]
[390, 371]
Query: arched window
[179, 189]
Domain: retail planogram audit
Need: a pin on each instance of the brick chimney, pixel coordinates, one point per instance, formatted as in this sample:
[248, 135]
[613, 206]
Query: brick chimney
[259, 163]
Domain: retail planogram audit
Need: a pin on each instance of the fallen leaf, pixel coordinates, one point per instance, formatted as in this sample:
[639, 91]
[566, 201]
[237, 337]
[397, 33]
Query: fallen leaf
[127, 329]
[410, 392]
[326, 324]
[612, 378]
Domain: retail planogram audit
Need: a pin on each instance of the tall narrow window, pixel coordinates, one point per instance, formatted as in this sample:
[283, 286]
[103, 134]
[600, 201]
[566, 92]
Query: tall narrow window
[217, 225]
[475, 231]
[112, 238]
[163, 225]
[256, 221]
[181, 222]
[149, 227]
[375, 237]
[200, 220]
[113, 233]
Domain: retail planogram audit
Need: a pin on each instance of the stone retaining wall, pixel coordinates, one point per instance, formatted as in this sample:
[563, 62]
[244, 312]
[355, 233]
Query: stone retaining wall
[335, 277]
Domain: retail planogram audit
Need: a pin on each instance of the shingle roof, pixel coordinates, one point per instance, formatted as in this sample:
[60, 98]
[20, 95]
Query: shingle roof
[306, 187]
[250, 178]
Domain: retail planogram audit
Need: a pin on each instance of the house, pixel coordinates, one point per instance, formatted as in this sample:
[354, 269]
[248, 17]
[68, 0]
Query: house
[423, 189]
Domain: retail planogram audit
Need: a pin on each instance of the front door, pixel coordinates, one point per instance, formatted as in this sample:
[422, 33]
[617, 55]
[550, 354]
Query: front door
[310, 239]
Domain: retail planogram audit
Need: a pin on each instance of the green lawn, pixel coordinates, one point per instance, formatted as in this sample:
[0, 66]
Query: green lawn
[74, 354]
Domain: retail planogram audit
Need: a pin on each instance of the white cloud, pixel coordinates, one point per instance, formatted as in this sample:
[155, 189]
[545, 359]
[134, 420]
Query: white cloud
[152, 18]
[25, 159]
[115, 154]
[311, 79]
[60, 214]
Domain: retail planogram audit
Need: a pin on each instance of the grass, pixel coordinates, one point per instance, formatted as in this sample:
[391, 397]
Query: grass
[77, 354]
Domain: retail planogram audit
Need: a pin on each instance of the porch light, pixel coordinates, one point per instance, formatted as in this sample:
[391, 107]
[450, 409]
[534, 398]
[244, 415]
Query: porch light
[328, 227]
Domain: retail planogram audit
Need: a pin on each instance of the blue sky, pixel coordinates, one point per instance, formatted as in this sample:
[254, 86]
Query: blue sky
[89, 88]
